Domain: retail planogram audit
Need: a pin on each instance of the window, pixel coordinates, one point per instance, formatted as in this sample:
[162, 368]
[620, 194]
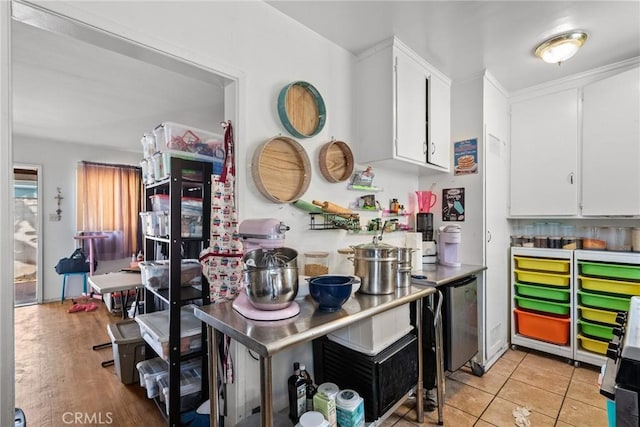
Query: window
[109, 202]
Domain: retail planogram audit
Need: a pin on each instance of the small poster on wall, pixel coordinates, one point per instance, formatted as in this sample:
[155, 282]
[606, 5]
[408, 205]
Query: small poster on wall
[453, 204]
[465, 157]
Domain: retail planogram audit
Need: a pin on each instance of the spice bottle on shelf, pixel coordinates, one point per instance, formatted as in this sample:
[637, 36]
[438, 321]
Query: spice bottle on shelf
[394, 206]
[297, 388]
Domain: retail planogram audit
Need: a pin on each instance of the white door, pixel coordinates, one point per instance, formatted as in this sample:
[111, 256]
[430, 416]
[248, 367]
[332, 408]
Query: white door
[7, 366]
[611, 146]
[411, 109]
[496, 170]
[439, 104]
[544, 155]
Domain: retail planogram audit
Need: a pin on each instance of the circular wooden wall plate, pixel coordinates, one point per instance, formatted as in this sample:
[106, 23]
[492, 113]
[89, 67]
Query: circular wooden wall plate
[301, 109]
[336, 161]
[281, 169]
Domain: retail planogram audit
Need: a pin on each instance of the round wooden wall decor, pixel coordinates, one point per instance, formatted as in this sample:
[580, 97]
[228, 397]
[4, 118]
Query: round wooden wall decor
[281, 169]
[336, 161]
[301, 109]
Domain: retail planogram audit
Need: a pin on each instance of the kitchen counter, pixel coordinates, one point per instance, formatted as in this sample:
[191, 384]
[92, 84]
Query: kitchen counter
[438, 275]
[269, 337]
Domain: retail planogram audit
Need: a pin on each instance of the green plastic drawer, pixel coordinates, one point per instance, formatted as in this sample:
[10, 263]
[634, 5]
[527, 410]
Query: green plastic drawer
[598, 315]
[549, 293]
[604, 301]
[614, 271]
[610, 286]
[595, 330]
[542, 278]
[542, 305]
[542, 264]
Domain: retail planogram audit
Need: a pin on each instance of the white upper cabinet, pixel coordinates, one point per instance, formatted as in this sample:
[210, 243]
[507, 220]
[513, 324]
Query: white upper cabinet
[403, 108]
[544, 155]
[611, 145]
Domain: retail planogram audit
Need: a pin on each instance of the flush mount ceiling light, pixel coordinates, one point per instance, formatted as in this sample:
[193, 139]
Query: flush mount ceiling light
[561, 47]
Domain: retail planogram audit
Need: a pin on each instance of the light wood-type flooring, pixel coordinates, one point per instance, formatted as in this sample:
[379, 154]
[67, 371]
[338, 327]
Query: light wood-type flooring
[59, 380]
[58, 376]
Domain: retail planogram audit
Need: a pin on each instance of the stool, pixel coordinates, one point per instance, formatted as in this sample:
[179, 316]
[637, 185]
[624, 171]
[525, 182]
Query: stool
[64, 282]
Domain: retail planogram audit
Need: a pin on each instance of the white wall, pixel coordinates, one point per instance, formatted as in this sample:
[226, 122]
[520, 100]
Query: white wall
[58, 163]
[265, 51]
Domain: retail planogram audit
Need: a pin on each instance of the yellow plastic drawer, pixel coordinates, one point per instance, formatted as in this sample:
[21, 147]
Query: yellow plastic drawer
[542, 278]
[593, 345]
[610, 286]
[598, 315]
[542, 264]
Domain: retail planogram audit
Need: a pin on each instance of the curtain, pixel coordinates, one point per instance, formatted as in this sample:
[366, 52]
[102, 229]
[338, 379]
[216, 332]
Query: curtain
[109, 202]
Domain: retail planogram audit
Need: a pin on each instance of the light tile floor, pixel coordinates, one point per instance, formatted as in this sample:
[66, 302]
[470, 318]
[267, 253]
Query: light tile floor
[555, 392]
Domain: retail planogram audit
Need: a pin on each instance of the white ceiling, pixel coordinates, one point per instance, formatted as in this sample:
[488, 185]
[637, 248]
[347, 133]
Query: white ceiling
[462, 38]
[69, 90]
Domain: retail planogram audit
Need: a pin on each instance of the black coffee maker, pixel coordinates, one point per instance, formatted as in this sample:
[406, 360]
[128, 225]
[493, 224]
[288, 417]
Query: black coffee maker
[424, 225]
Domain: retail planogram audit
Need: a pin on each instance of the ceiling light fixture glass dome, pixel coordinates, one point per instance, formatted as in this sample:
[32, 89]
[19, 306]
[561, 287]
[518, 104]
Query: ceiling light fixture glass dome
[559, 48]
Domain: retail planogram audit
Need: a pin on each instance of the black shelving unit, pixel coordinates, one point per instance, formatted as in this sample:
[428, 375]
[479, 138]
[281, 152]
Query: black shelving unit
[187, 178]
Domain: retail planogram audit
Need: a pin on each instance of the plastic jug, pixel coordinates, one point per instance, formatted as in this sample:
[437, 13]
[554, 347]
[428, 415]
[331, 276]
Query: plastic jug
[426, 200]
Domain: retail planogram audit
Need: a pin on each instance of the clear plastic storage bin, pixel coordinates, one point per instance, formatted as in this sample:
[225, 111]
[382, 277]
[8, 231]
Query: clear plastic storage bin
[190, 142]
[155, 274]
[190, 388]
[154, 328]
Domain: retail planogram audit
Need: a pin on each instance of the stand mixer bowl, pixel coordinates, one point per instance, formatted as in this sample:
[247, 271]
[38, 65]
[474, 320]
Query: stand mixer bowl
[271, 277]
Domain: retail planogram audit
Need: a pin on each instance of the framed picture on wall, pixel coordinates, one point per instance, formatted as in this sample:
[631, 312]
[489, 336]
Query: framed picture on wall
[453, 204]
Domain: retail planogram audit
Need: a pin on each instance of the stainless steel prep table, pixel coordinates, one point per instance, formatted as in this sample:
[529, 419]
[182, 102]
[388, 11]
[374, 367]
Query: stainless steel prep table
[268, 338]
[433, 276]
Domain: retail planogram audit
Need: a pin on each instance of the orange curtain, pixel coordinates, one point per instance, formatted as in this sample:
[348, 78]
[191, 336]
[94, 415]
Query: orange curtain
[109, 201]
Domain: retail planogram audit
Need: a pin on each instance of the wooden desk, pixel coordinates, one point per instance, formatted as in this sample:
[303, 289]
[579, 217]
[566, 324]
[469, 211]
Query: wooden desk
[268, 338]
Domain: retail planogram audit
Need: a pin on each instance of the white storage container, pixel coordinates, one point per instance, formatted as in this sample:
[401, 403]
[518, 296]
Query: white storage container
[190, 388]
[371, 336]
[154, 328]
[155, 274]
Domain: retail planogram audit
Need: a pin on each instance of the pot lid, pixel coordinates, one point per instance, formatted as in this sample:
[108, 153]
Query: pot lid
[374, 246]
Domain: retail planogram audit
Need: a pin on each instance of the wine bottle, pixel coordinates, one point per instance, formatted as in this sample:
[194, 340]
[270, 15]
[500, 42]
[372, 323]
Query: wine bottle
[311, 389]
[297, 387]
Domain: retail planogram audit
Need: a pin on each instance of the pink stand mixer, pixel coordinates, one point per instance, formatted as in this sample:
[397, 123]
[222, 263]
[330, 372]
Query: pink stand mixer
[263, 233]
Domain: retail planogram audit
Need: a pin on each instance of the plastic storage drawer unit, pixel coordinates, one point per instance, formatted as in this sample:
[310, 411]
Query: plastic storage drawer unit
[550, 293]
[610, 286]
[545, 328]
[614, 271]
[154, 328]
[190, 388]
[607, 302]
[128, 348]
[542, 278]
[542, 264]
[155, 274]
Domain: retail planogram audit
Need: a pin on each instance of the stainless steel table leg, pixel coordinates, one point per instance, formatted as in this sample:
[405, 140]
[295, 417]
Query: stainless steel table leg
[213, 376]
[266, 399]
[439, 358]
[419, 386]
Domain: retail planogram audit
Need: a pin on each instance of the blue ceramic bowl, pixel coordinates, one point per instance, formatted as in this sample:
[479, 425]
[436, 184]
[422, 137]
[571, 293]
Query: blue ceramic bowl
[330, 291]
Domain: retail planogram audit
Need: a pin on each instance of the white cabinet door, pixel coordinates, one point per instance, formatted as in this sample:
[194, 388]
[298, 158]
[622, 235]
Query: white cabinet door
[411, 108]
[544, 155]
[611, 146]
[439, 149]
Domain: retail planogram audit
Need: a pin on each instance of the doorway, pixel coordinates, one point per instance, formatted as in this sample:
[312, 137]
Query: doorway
[26, 233]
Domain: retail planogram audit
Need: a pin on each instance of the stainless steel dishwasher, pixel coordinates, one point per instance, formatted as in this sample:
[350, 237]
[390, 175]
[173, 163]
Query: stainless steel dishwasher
[460, 324]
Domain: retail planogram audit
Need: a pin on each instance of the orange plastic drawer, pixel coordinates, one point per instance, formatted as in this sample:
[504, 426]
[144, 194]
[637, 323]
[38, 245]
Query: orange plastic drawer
[544, 328]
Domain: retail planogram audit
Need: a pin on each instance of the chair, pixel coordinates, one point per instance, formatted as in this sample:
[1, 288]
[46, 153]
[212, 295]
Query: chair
[64, 282]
